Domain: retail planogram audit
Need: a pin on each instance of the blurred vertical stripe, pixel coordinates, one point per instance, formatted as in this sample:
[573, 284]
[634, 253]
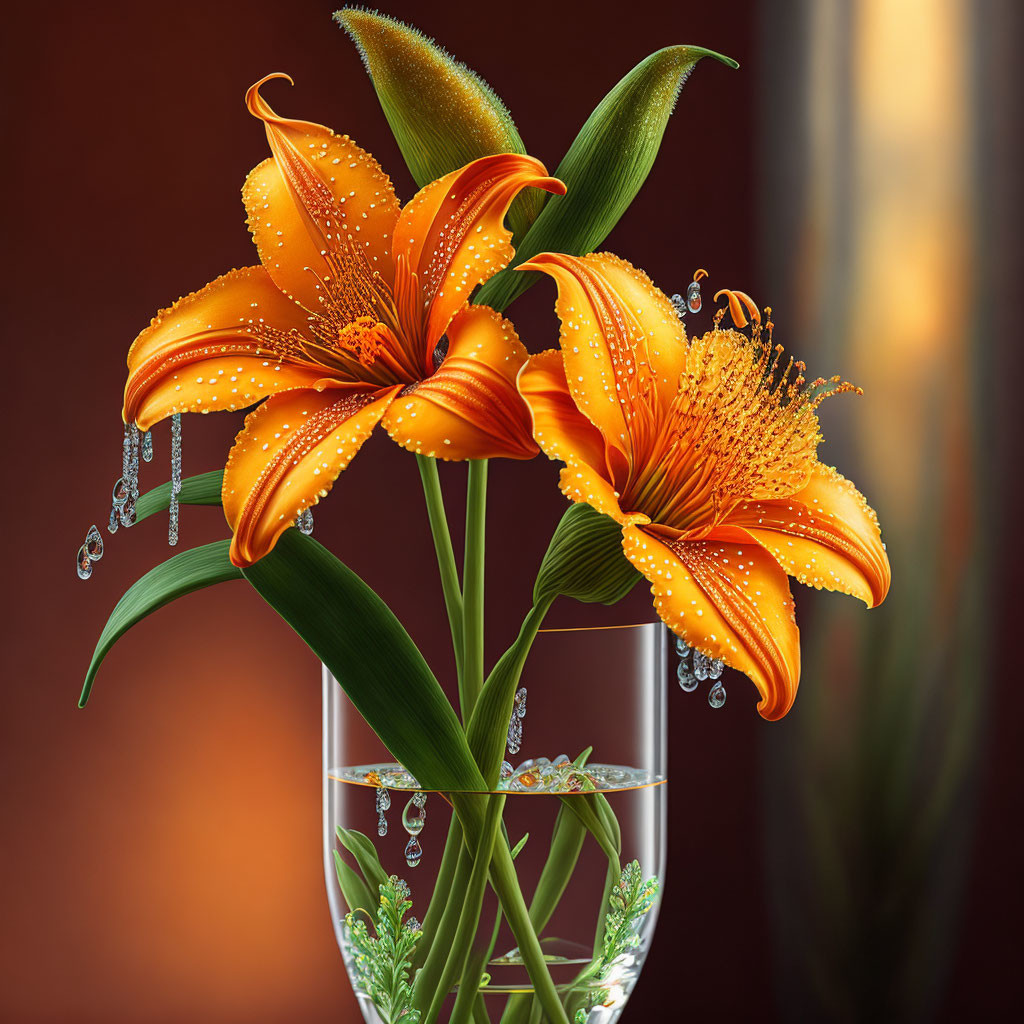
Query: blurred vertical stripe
[874, 249]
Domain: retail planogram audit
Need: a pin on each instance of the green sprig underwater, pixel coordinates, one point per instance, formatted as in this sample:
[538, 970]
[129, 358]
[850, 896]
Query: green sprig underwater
[629, 900]
[383, 963]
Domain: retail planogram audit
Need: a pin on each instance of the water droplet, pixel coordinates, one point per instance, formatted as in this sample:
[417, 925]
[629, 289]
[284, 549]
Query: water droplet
[119, 495]
[382, 825]
[701, 663]
[716, 698]
[520, 702]
[84, 564]
[128, 514]
[412, 924]
[506, 769]
[174, 508]
[147, 446]
[383, 803]
[305, 521]
[687, 680]
[515, 734]
[414, 817]
[693, 302]
[679, 304]
[94, 543]
[114, 523]
[715, 668]
[682, 647]
[413, 852]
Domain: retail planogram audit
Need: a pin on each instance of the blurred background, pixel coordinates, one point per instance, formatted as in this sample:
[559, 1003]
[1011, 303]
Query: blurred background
[860, 173]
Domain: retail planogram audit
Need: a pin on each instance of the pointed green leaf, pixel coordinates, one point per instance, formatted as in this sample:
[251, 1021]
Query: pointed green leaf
[354, 633]
[361, 847]
[203, 489]
[585, 560]
[605, 166]
[354, 890]
[182, 574]
[443, 115]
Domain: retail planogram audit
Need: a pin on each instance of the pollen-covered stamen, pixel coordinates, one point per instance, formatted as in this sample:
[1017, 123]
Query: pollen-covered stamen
[737, 429]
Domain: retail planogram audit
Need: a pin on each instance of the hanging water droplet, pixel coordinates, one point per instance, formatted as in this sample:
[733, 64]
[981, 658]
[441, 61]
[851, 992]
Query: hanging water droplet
[129, 474]
[520, 702]
[506, 770]
[84, 564]
[701, 663]
[128, 514]
[114, 523]
[383, 803]
[693, 302]
[687, 680]
[94, 543]
[715, 668]
[413, 852]
[305, 521]
[119, 494]
[515, 734]
[682, 647]
[679, 304]
[147, 446]
[174, 511]
[414, 817]
[716, 698]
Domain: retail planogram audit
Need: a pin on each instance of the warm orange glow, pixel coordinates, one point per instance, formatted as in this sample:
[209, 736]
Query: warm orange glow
[343, 324]
[705, 451]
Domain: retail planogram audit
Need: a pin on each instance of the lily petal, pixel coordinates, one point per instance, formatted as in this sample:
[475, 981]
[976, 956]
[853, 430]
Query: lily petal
[451, 237]
[729, 600]
[620, 335]
[226, 346]
[564, 433]
[321, 212]
[291, 451]
[826, 536]
[469, 408]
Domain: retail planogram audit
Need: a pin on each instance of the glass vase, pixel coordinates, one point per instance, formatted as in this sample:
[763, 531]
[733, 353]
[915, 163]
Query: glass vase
[584, 811]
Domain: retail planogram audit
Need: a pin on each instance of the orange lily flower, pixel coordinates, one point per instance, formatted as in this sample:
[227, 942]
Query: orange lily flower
[704, 451]
[357, 314]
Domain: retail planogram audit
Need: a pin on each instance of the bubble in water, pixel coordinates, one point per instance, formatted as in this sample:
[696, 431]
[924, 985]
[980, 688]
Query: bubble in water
[84, 564]
[305, 521]
[94, 543]
[413, 852]
[147, 446]
[693, 302]
[716, 698]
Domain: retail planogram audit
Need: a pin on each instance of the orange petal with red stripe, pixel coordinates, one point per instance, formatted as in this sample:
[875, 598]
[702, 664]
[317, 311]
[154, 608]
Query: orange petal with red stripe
[226, 346]
[729, 600]
[287, 457]
[469, 408]
[452, 237]
[321, 211]
[826, 536]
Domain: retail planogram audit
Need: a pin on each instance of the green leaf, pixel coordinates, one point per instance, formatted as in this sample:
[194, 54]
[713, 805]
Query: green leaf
[355, 891]
[354, 633]
[361, 847]
[203, 489]
[605, 166]
[185, 572]
[585, 560]
[443, 115]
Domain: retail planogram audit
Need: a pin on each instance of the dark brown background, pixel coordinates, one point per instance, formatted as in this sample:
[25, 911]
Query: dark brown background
[161, 850]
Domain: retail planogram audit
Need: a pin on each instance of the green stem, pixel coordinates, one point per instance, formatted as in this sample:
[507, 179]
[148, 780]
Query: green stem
[428, 979]
[473, 582]
[445, 563]
[442, 891]
[469, 922]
